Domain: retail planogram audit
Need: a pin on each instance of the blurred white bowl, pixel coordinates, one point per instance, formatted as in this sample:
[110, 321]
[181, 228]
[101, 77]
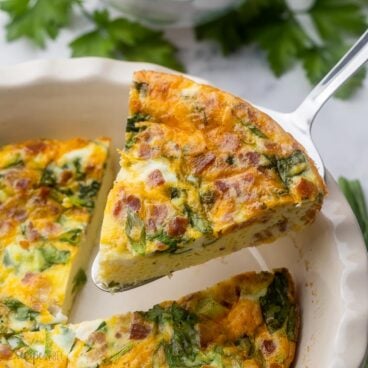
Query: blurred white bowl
[178, 13]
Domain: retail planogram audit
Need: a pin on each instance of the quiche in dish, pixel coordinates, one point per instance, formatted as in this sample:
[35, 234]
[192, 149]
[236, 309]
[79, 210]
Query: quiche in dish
[203, 174]
[248, 321]
[48, 192]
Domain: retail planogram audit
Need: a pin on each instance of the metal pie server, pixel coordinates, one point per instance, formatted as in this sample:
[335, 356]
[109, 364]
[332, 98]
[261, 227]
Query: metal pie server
[298, 123]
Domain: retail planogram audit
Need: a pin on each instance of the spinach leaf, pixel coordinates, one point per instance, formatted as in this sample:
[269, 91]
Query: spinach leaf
[197, 221]
[86, 196]
[208, 198]
[72, 236]
[136, 232]
[291, 166]
[54, 256]
[81, 202]
[16, 161]
[7, 261]
[89, 191]
[79, 173]
[291, 327]
[353, 192]
[124, 350]
[174, 192]
[48, 177]
[276, 306]
[165, 239]
[114, 286]
[20, 310]
[130, 141]
[79, 280]
[141, 87]
[16, 342]
[183, 345]
[256, 131]
[102, 327]
[230, 160]
[132, 120]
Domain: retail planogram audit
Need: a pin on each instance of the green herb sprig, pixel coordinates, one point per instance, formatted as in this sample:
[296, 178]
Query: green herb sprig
[276, 28]
[41, 20]
[353, 192]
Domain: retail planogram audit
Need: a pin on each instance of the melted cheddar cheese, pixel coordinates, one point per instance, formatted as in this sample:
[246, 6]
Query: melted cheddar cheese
[249, 321]
[203, 174]
[48, 191]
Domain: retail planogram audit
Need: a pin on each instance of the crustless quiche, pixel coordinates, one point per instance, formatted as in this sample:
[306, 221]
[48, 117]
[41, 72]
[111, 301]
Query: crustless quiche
[203, 174]
[248, 321]
[48, 191]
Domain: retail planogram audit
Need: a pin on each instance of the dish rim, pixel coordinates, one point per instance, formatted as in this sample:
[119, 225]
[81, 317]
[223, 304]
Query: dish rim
[355, 313]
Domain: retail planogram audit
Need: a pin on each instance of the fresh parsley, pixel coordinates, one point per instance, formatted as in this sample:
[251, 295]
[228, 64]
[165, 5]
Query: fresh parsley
[354, 194]
[277, 29]
[40, 20]
[36, 20]
[123, 39]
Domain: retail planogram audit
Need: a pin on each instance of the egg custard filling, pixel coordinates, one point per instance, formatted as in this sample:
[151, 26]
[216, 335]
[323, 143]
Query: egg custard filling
[49, 190]
[248, 321]
[203, 174]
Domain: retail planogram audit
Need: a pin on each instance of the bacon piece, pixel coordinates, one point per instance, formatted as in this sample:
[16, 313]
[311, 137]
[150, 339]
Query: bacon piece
[177, 226]
[236, 185]
[305, 188]
[51, 228]
[97, 337]
[118, 208]
[42, 196]
[157, 214]
[155, 178]
[253, 158]
[22, 184]
[5, 227]
[31, 233]
[18, 214]
[144, 151]
[139, 330]
[5, 352]
[65, 176]
[229, 142]
[272, 148]
[29, 278]
[36, 147]
[133, 202]
[151, 133]
[268, 347]
[221, 186]
[201, 162]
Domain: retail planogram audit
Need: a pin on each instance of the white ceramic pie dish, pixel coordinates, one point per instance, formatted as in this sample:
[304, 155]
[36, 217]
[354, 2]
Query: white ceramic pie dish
[88, 97]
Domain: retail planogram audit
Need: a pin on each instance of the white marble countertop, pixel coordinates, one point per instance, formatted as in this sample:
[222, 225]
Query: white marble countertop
[340, 130]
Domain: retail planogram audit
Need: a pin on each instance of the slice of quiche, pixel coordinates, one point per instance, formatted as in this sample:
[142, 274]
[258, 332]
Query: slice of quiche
[48, 192]
[249, 321]
[203, 174]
